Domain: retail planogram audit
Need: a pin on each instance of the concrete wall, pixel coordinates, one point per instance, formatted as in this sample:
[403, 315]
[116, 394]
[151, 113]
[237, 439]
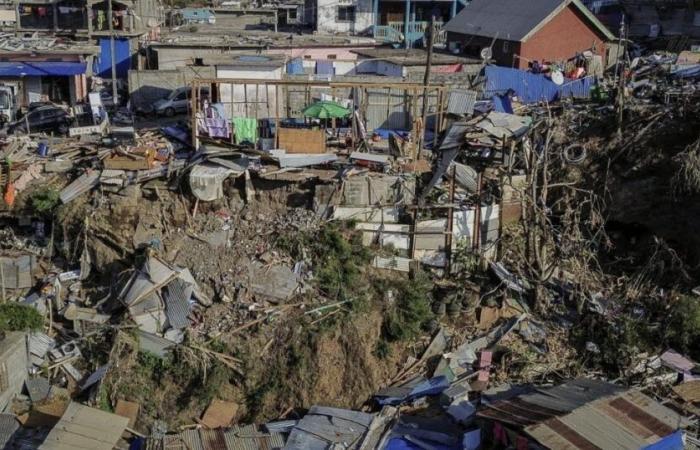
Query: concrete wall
[560, 39]
[147, 86]
[327, 16]
[13, 367]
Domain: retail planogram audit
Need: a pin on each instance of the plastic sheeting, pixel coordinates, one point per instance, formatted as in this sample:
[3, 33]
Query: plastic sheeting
[433, 386]
[533, 88]
[295, 67]
[670, 442]
[206, 181]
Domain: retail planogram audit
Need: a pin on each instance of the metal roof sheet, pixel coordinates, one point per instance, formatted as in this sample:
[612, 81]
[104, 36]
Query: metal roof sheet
[8, 427]
[250, 437]
[177, 294]
[514, 20]
[630, 420]
[82, 427]
[461, 102]
[322, 427]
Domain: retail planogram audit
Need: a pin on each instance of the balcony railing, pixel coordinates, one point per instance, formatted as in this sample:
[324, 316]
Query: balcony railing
[393, 32]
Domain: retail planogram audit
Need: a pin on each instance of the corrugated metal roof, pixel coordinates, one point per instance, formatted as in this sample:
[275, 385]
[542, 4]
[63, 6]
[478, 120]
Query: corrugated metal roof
[155, 344]
[250, 437]
[177, 294]
[17, 271]
[323, 427]
[461, 102]
[38, 388]
[544, 404]
[8, 427]
[85, 427]
[630, 420]
[82, 184]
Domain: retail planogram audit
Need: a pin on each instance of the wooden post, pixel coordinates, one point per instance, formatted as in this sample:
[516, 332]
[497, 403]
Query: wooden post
[450, 225]
[277, 117]
[426, 80]
[2, 280]
[194, 109]
[245, 99]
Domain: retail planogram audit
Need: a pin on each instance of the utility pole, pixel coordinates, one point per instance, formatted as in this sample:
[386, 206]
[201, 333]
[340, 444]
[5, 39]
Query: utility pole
[621, 74]
[426, 79]
[110, 20]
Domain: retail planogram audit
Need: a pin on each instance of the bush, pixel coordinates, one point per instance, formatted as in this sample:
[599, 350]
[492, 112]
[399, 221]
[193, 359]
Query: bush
[45, 200]
[16, 317]
[683, 328]
[411, 312]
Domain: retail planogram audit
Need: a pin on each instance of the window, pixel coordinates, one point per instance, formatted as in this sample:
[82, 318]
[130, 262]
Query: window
[292, 14]
[332, 57]
[346, 13]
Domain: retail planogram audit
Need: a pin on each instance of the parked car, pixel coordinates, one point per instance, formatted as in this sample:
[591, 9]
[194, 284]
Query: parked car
[43, 118]
[177, 102]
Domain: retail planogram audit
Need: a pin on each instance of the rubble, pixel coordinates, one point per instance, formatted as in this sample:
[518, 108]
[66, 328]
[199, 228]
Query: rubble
[483, 275]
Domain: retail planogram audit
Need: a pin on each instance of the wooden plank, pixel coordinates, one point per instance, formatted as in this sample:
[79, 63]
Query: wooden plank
[300, 140]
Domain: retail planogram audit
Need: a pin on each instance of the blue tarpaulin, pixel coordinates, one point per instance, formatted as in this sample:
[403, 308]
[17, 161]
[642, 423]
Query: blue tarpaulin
[404, 444]
[122, 58]
[41, 68]
[295, 67]
[433, 386]
[533, 88]
[671, 442]
[502, 104]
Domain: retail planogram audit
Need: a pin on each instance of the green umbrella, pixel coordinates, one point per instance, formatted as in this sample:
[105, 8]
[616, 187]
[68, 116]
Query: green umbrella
[326, 110]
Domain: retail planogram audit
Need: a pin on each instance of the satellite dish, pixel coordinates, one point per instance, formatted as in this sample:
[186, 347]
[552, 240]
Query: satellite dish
[558, 78]
[486, 53]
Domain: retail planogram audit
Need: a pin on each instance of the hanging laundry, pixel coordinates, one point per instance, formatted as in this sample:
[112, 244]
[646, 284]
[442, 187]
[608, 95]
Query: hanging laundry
[218, 128]
[101, 20]
[41, 11]
[245, 129]
[218, 111]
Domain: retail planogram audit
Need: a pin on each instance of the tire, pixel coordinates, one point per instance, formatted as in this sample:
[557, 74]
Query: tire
[169, 112]
[63, 128]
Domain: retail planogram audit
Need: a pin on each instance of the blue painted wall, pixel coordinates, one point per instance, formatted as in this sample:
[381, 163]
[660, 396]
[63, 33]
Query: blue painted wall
[122, 60]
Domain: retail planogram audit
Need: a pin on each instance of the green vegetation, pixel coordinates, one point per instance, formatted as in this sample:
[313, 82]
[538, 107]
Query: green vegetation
[338, 257]
[683, 329]
[45, 200]
[16, 317]
[411, 312]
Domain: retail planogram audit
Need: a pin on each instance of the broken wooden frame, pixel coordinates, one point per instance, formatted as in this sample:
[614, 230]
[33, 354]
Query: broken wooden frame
[398, 105]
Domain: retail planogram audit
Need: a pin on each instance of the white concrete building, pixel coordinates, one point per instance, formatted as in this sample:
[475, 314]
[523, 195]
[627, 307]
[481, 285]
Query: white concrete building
[344, 16]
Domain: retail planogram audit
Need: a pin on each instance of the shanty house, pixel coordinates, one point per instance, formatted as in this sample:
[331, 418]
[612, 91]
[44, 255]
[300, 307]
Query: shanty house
[39, 70]
[198, 15]
[580, 414]
[521, 32]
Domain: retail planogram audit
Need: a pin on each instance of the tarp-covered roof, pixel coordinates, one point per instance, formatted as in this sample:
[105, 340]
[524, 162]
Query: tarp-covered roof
[41, 68]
